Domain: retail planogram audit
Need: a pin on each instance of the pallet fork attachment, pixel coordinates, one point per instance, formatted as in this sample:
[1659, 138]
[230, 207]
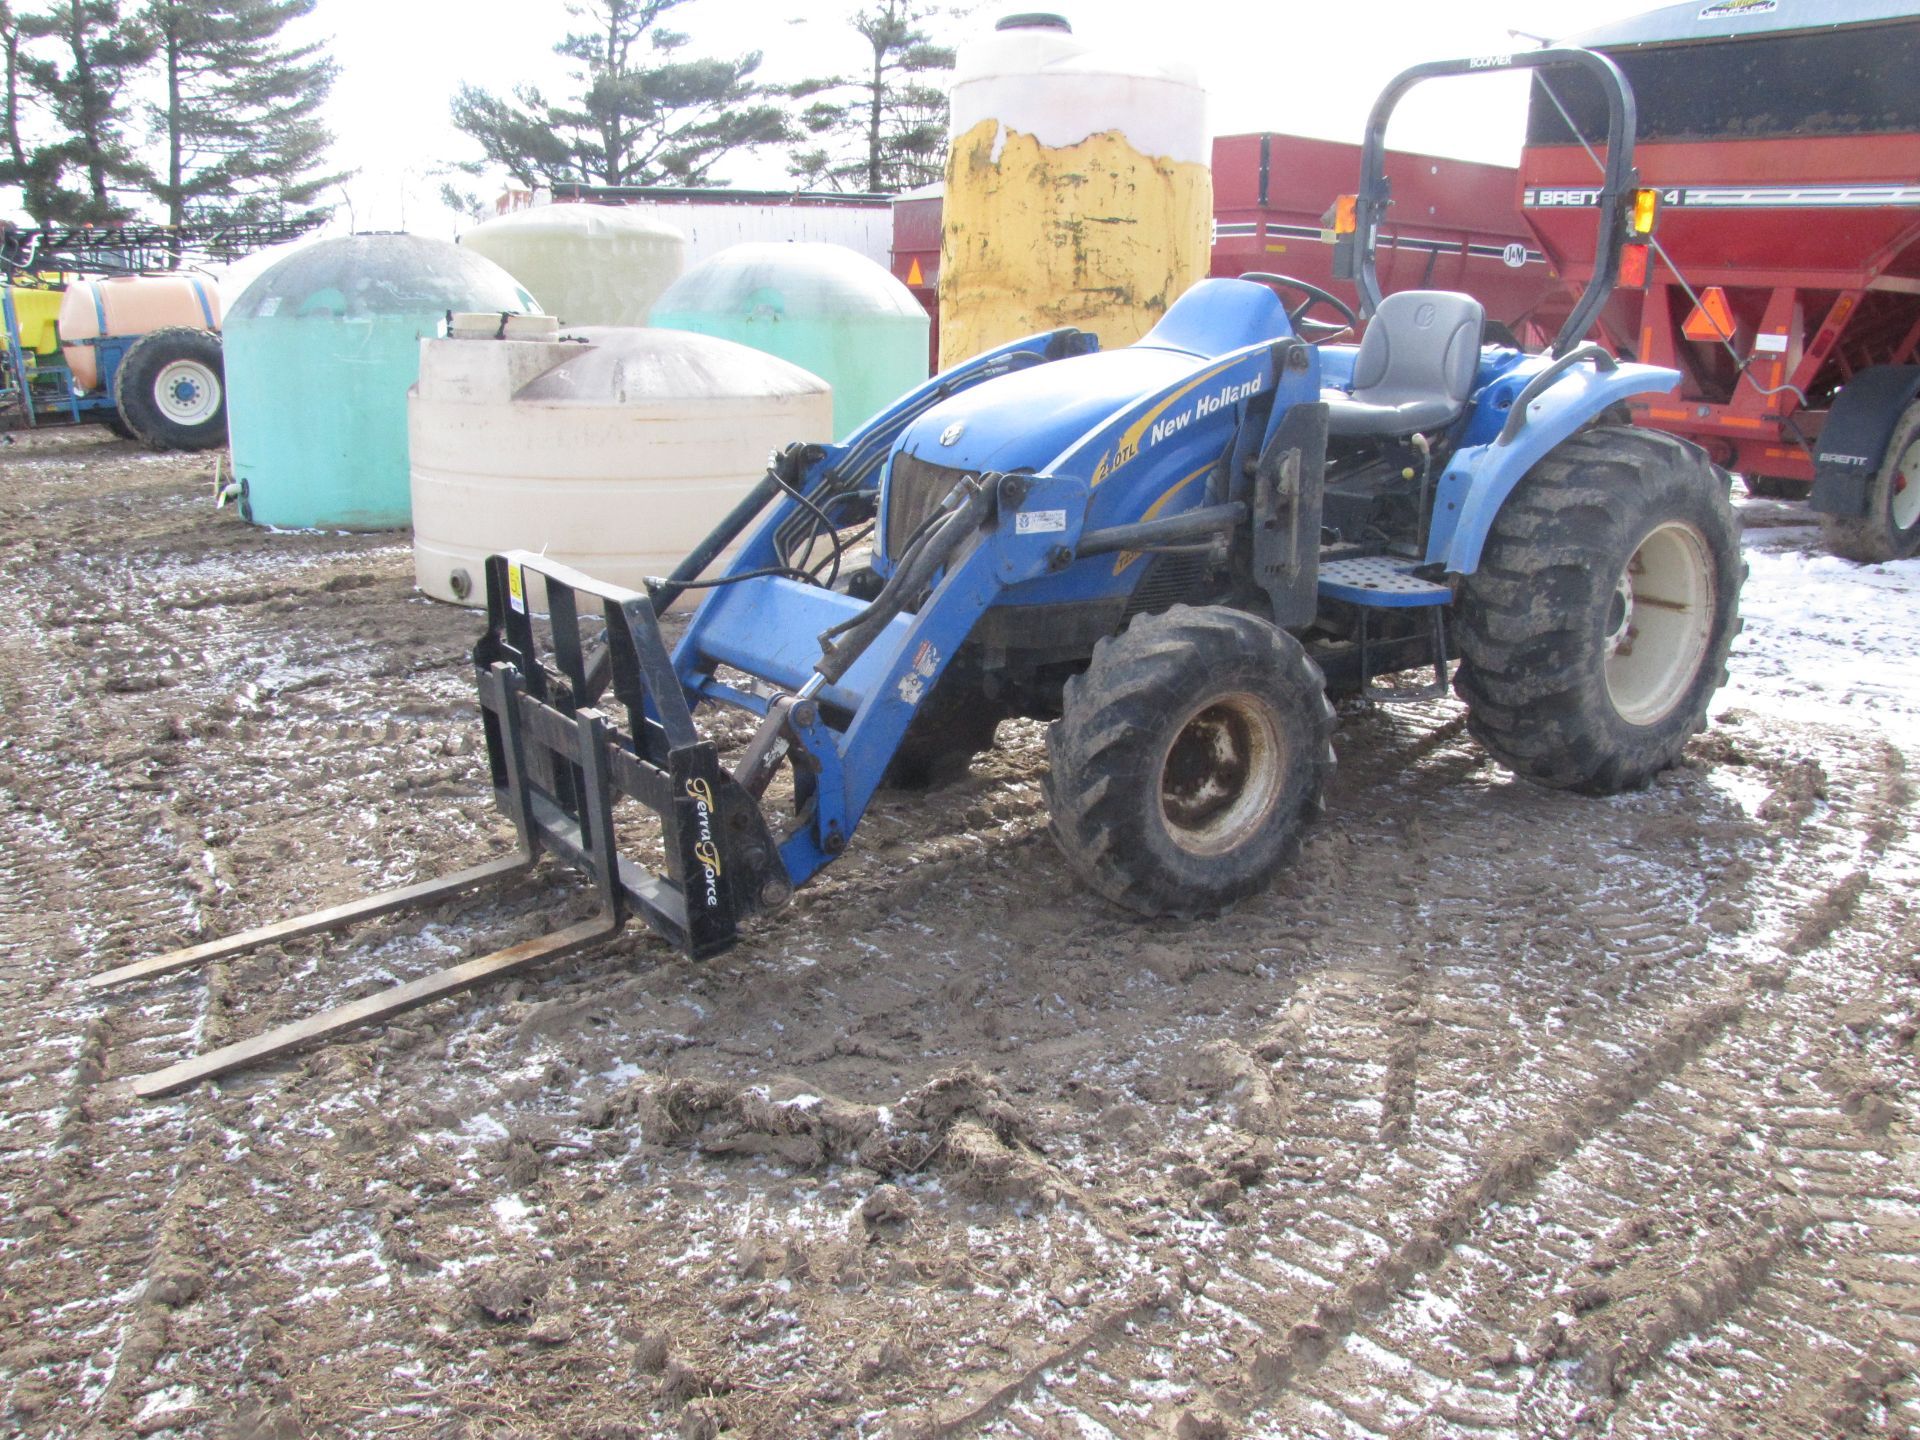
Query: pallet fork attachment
[559, 766]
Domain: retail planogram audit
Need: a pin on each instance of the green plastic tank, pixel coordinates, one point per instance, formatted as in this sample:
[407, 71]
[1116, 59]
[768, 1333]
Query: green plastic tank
[823, 307]
[320, 351]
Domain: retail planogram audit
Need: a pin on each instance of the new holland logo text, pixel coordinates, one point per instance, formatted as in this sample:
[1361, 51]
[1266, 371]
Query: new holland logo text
[1149, 428]
[1202, 408]
[706, 850]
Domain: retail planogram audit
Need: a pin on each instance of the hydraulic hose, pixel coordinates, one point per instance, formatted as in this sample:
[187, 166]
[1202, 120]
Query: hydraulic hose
[845, 643]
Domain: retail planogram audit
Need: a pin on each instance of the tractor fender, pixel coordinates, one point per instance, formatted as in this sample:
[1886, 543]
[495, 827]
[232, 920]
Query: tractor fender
[1480, 476]
[1853, 442]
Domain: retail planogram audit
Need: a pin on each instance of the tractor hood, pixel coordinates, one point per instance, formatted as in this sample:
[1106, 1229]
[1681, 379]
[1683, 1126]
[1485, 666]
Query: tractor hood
[1023, 420]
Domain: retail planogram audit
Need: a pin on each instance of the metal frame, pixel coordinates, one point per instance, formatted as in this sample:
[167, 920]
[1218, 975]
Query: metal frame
[560, 765]
[139, 247]
[1375, 194]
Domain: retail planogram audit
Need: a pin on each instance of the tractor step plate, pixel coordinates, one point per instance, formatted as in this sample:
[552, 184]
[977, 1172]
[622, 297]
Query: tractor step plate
[1380, 582]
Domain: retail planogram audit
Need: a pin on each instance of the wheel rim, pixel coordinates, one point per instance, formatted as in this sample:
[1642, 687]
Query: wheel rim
[186, 391]
[1222, 775]
[1905, 500]
[1659, 623]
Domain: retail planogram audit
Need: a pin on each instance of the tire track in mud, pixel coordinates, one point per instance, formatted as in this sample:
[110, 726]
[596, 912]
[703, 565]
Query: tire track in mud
[1691, 1214]
[1711, 1214]
[118, 670]
[1290, 1293]
[79, 837]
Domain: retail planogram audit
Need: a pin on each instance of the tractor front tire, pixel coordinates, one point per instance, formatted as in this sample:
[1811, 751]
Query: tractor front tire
[1890, 530]
[1187, 760]
[171, 389]
[1596, 629]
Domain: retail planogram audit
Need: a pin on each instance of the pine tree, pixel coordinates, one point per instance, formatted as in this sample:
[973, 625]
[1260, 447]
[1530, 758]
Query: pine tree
[13, 153]
[885, 129]
[630, 122]
[75, 178]
[239, 111]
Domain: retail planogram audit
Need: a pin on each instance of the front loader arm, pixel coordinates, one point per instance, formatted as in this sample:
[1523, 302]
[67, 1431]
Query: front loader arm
[1031, 522]
[843, 477]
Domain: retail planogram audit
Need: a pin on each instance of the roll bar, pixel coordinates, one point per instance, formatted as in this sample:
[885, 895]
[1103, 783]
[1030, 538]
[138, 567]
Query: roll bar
[1620, 178]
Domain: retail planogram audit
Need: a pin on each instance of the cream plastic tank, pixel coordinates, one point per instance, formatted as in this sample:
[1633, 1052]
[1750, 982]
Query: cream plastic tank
[587, 264]
[130, 305]
[615, 456]
[1078, 189]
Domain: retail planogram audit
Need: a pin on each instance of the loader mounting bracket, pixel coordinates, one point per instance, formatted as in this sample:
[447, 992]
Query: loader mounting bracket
[561, 764]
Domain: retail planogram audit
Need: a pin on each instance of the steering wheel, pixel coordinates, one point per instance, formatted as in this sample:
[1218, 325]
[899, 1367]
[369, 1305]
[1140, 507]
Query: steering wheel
[1296, 316]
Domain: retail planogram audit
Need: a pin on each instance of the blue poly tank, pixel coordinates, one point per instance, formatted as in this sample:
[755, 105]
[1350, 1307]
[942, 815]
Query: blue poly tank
[320, 352]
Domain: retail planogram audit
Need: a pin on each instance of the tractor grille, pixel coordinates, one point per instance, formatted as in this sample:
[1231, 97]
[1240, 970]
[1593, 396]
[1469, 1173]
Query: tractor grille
[914, 490]
[1170, 579]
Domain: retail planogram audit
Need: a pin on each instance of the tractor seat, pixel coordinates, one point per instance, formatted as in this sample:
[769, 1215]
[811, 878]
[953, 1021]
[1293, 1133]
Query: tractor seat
[1415, 368]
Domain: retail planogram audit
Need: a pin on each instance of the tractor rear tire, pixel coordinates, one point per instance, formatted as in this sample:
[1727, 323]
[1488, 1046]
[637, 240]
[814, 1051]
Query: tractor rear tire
[1890, 530]
[1188, 758]
[171, 389]
[1595, 631]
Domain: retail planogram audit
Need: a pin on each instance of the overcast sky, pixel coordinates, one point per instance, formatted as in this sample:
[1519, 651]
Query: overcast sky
[1310, 69]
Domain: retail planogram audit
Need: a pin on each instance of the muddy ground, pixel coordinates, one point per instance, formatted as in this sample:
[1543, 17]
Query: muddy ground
[1504, 1113]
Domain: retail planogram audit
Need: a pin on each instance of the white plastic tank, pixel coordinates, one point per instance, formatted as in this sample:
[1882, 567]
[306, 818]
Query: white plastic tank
[1078, 188]
[588, 264]
[614, 450]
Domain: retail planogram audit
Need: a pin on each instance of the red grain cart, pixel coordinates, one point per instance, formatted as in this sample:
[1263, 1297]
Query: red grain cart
[916, 253]
[1783, 137]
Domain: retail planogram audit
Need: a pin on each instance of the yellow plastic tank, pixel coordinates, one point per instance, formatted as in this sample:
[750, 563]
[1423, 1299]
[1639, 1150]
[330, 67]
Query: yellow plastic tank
[587, 264]
[1078, 189]
[130, 305]
[37, 313]
[611, 449]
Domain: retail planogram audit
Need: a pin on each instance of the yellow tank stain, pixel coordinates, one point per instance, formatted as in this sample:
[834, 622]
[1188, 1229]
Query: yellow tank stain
[1095, 235]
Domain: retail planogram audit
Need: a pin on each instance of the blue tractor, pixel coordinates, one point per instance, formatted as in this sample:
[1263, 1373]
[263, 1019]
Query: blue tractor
[1175, 553]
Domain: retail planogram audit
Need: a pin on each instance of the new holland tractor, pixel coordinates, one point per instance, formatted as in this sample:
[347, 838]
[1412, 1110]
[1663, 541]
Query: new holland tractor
[1174, 552]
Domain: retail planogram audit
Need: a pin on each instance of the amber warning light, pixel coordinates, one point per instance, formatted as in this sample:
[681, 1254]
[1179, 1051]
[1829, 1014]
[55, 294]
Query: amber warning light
[1344, 220]
[1646, 209]
[1641, 217]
